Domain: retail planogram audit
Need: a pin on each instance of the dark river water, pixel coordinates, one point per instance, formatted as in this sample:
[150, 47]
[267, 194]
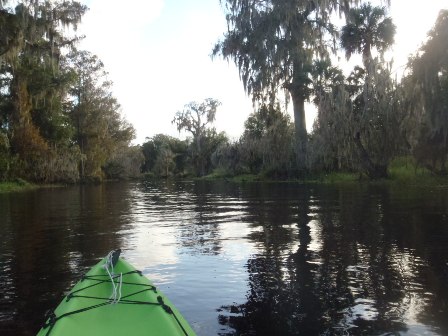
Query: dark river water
[250, 259]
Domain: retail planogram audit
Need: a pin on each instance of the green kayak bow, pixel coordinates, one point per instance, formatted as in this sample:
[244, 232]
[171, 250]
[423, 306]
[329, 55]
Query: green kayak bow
[114, 298]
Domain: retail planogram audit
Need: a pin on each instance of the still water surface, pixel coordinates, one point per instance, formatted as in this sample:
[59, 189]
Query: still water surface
[251, 259]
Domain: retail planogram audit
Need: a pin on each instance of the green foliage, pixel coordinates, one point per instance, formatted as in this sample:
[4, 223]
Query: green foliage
[100, 131]
[60, 122]
[267, 142]
[195, 118]
[406, 169]
[149, 150]
[359, 123]
[56, 110]
[330, 142]
[32, 62]
[338, 177]
[14, 186]
[49, 112]
[227, 159]
[377, 118]
[152, 148]
[219, 173]
[125, 163]
[165, 156]
[376, 115]
[164, 164]
[4, 156]
[367, 28]
[359, 118]
[210, 145]
[427, 92]
[273, 44]
[34, 85]
[243, 178]
[59, 164]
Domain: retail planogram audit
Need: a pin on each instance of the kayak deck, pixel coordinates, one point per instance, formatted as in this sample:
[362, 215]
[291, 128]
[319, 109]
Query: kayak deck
[124, 302]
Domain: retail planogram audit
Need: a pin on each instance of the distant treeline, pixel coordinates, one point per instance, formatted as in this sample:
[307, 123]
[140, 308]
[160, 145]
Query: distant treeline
[364, 120]
[60, 122]
[267, 146]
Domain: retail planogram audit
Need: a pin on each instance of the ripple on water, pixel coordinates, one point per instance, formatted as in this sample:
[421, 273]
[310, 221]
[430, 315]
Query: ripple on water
[250, 259]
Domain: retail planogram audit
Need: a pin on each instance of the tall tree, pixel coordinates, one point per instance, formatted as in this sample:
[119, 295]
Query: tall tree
[124, 163]
[330, 139]
[165, 162]
[195, 118]
[4, 156]
[375, 102]
[273, 43]
[33, 40]
[154, 146]
[95, 113]
[367, 27]
[267, 143]
[358, 123]
[427, 87]
[375, 121]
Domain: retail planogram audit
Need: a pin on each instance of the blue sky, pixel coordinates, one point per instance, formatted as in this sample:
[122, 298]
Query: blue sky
[157, 55]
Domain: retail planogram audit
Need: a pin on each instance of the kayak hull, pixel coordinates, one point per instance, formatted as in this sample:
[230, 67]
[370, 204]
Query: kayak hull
[137, 308]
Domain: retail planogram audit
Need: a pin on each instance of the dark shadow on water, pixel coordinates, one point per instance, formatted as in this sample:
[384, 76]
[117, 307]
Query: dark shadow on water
[49, 239]
[363, 266]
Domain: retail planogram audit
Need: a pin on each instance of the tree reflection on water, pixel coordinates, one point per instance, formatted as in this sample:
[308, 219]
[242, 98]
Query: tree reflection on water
[49, 239]
[360, 268]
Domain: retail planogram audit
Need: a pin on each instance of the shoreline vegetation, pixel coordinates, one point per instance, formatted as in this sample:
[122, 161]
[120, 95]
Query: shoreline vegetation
[401, 171]
[60, 122]
[16, 185]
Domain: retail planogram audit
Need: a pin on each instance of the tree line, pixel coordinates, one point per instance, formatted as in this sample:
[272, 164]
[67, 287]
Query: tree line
[364, 119]
[59, 120]
[266, 145]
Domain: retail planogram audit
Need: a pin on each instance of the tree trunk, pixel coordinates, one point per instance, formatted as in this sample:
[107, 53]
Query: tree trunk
[374, 171]
[199, 164]
[301, 135]
[26, 139]
[367, 57]
[79, 136]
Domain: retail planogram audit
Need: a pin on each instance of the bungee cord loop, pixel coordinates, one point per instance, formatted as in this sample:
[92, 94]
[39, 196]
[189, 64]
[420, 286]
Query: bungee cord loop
[116, 297]
[109, 265]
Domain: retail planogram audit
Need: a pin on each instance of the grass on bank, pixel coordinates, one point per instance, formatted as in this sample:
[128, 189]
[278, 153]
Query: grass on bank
[222, 174]
[402, 170]
[16, 185]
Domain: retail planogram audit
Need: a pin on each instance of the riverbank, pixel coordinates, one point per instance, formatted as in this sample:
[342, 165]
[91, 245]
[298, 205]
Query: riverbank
[401, 171]
[16, 185]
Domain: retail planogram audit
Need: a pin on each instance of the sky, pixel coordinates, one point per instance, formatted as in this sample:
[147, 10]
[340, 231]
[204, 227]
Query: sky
[157, 53]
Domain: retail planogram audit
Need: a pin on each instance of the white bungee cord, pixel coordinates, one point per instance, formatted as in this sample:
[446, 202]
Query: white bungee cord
[116, 287]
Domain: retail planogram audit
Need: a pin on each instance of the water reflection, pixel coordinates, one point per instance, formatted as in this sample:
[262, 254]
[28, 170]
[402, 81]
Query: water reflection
[252, 259]
[49, 238]
[350, 274]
